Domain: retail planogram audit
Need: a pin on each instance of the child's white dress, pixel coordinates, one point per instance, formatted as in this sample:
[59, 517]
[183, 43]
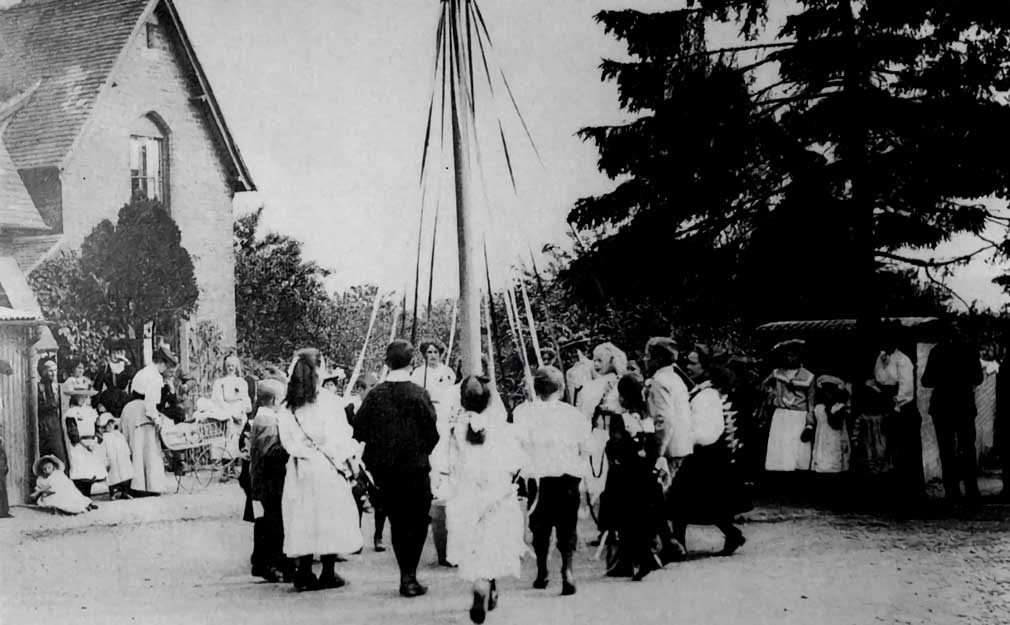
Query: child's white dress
[484, 519]
[117, 457]
[64, 496]
[831, 446]
[86, 461]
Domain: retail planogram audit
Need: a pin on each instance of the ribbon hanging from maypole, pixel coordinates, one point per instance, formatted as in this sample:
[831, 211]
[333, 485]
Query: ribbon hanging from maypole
[360, 362]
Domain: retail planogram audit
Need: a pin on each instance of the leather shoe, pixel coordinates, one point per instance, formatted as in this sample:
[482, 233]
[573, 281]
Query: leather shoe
[331, 581]
[412, 588]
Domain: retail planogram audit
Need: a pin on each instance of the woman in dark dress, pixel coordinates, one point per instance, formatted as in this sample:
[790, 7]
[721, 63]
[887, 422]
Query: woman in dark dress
[708, 489]
[114, 378]
[633, 493]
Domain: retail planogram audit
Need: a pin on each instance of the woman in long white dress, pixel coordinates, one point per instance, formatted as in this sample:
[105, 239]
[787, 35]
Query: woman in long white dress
[792, 388]
[483, 514]
[317, 505]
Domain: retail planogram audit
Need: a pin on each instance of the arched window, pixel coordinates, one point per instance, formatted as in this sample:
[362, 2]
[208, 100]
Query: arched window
[149, 159]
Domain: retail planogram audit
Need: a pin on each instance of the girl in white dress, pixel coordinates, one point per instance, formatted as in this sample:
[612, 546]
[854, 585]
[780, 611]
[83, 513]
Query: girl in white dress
[118, 461]
[598, 399]
[483, 514]
[831, 433]
[317, 505]
[53, 489]
[230, 395]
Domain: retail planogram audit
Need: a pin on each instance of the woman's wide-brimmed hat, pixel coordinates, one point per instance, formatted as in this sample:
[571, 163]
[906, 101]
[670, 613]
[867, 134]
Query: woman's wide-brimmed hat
[118, 343]
[791, 344]
[165, 353]
[37, 467]
[81, 390]
[104, 419]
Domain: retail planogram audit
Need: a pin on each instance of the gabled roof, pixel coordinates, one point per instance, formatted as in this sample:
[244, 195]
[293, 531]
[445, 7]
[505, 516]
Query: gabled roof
[17, 211]
[73, 47]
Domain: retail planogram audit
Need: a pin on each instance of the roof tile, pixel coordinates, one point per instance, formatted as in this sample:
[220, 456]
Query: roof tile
[71, 46]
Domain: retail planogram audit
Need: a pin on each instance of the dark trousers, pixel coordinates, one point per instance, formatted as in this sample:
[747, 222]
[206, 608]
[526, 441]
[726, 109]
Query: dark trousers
[406, 497]
[4, 507]
[904, 437]
[556, 509]
[268, 537]
[955, 436]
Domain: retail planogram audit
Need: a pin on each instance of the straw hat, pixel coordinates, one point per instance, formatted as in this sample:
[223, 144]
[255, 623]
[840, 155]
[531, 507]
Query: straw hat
[79, 390]
[797, 344]
[37, 467]
[104, 419]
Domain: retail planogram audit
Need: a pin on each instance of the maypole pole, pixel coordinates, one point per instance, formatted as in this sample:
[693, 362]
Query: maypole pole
[466, 226]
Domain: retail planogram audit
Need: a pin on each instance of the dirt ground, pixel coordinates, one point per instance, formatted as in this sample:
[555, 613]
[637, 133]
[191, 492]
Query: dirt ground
[184, 559]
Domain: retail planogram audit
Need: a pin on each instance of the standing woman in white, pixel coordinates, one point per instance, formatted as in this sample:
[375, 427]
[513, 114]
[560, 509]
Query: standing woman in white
[792, 388]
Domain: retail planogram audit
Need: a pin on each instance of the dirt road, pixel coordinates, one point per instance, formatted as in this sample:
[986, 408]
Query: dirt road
[799, 567]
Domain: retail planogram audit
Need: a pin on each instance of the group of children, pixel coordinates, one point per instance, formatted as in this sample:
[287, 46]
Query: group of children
[97, 451]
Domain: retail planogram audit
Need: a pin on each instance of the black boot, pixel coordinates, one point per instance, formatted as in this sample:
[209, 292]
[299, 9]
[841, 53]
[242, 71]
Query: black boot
[478, 610]
[305, 579]
[329, 578]
[492, 596]
[541, 581]
[410, 587]
[567, 576]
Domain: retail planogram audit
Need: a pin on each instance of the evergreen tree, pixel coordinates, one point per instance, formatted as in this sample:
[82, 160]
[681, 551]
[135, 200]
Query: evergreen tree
[876, 136]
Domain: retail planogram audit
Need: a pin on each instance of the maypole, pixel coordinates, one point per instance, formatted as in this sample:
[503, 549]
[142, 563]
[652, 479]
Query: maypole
[466, 226]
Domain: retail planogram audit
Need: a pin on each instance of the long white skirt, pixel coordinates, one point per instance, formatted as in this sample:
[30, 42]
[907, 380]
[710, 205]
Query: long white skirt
[485, 538]
[831, 446]
[786, 452]
[320, 516]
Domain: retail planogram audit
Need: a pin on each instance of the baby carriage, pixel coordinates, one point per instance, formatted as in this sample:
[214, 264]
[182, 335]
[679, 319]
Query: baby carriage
[195, 451]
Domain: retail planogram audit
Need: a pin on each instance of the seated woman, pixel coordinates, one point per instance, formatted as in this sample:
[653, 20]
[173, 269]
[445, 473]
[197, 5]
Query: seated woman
[53, 489]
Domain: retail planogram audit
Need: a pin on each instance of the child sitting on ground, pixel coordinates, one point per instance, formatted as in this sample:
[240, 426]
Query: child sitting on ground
[53, 489]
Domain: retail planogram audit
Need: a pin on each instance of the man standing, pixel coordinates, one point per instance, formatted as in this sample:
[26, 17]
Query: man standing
[894, 378]
[953, 371]
[50, 425]
[669, 405]
[397, 425]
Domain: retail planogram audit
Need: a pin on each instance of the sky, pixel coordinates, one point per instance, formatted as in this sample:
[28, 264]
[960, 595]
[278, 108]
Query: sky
[327, 100]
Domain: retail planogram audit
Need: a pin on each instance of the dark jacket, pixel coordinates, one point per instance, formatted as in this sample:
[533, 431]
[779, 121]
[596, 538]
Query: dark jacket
[267, 457]
[953, 370]
[396, 423]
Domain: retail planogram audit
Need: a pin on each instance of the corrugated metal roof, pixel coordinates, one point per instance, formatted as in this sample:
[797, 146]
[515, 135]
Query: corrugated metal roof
[834, 325]
[12, 314]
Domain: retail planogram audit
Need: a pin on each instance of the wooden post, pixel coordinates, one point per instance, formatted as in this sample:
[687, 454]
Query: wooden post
[466, 227]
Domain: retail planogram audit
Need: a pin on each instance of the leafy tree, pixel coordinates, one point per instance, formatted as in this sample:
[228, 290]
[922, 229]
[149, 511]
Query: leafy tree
[141, 268]
[280, 300]
[874, 137]
[73, 305]
[124, 276]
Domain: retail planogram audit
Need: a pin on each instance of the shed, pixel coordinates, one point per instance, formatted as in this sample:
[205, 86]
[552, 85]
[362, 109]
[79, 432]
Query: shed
[837, 347]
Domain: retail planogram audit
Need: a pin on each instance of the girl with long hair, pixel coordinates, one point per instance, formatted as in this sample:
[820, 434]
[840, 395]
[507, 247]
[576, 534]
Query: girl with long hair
[318, 508]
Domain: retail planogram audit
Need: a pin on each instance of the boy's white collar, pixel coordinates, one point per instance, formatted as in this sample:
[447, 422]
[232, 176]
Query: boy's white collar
[398, 375]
